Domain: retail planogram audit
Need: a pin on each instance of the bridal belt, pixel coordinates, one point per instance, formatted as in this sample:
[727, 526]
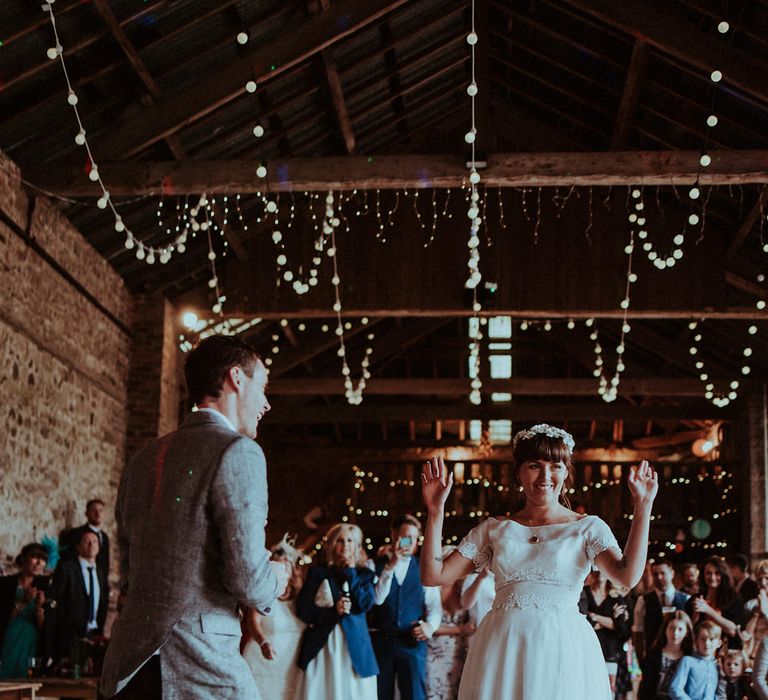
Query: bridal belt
[533, 594]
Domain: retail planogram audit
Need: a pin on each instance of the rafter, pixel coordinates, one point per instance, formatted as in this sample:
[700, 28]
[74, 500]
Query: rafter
[555, 410]
[635, 72]
[518, 386]
[672, 33]
[215, 87]
[408, 171]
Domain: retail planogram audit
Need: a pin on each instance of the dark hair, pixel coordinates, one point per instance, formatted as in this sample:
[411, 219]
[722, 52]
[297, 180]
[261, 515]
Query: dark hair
[84, 532]
[549, 449]
[33, 549]
[726, 594]
[405, 519]
[661, 638]
[663, 562]
[93, 502]
[738, 560]
[211, 359]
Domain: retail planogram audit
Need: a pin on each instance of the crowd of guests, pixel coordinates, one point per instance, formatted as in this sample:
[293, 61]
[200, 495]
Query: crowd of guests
[358, 628]
[47, 619]
[698, 632]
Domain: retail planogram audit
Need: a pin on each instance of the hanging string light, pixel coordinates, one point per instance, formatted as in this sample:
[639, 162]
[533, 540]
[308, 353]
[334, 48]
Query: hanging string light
[608, 389]
[145, 252]
[720, 397]
[354, 394]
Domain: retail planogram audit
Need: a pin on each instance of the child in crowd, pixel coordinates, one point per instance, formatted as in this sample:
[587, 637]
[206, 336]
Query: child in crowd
[733, 685]
[696, 676]
[659, 664]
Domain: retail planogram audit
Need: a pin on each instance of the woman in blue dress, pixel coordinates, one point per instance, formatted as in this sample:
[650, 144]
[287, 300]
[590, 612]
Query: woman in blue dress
[21, 612]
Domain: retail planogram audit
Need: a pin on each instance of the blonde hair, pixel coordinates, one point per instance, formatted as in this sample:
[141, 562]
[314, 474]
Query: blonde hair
[761, 568]
[711, 629]
[333, 535]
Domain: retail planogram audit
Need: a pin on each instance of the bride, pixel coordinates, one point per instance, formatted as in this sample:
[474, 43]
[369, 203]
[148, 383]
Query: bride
[534, 643]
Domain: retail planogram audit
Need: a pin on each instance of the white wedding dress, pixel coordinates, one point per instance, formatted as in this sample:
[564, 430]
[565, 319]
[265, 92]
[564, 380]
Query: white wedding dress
[534, 644]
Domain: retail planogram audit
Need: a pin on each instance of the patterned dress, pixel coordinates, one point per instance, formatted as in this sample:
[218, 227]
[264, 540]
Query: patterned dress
[445, 658]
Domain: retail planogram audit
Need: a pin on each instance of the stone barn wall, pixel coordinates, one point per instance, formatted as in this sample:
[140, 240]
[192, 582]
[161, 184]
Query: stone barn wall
[64, 360]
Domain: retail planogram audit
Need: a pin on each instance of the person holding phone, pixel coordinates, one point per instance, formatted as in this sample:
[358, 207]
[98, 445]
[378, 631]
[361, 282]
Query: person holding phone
[405, 615]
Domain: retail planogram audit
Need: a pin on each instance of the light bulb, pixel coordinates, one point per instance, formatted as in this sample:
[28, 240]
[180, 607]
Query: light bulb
[712, 120]
[723, 27]
[469, 137]
[94, 174]
[472, 38]
[716, 76]
[80, 137]
[474, 177]
[258, 131]
[250, 86]
[705, 160]
[693, 219]
[261, 171]
[52, 53]
[271, 206]
[242, 38]
[472, 89]
[694, 193]
[72, 98]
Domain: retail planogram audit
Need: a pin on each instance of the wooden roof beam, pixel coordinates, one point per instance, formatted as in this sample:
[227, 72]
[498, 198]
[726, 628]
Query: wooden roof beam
[672, 33]
[556, 410]
[635, 73]
[518, 386]
[114, 26]
[749, 222]
[339, 103]
[215, 87]
[407, 171]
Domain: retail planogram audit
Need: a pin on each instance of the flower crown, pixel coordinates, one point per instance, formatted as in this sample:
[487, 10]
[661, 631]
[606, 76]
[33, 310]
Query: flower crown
[545, 429]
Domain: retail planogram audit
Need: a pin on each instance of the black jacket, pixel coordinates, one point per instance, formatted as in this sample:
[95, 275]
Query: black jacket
[70, 619]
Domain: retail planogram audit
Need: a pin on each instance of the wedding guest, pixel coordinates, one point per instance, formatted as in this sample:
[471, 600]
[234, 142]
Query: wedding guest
[272, 642]
[534, 643]
[696, 676]
[659, 664]
[756, 610]
[733, 683]
[21, 611]
[405, 615]
[94, 514]
[760, 671]
[718, 601]
[651, 608]
[447, 649]
[336, 654]
[81, 592]
[608, 612]
[690, 579]
[743, 583]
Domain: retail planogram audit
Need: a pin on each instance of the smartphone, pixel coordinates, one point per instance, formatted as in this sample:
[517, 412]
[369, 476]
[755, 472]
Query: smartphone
[41, 582]
[404, 542]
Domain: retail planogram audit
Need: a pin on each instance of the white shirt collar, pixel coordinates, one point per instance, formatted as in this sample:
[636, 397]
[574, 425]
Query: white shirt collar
[669, 592]
[93, 527]
[218, 413]
[85, 565]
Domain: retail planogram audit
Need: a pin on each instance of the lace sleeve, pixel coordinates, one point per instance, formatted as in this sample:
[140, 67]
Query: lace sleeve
[599, 538]
[477, 547]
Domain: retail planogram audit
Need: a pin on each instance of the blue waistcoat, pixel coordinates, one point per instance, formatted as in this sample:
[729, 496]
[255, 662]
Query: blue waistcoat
[405, 603]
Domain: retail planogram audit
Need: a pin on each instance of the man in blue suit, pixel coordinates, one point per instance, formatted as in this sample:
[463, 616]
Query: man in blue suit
[405, 616]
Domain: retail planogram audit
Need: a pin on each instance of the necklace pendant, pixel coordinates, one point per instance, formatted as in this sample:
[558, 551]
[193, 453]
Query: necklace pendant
[535, 539]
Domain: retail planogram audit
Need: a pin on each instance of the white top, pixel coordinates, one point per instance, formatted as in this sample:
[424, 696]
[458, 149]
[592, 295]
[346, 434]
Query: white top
[84, 566]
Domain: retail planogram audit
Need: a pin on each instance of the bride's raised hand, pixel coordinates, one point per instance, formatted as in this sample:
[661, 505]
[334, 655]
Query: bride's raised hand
[436, 482]
[643, 484]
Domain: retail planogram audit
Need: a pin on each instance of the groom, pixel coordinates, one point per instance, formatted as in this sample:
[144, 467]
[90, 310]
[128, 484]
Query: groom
[191, 510]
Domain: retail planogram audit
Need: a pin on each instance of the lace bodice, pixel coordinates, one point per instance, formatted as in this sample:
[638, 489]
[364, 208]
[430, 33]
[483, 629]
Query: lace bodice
[549, 573]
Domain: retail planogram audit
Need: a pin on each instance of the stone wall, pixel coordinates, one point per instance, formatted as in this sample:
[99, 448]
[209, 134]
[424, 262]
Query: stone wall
[64, 361]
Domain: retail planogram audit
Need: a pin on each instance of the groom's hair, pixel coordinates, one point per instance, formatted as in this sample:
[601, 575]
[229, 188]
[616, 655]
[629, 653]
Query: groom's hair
[211, 359]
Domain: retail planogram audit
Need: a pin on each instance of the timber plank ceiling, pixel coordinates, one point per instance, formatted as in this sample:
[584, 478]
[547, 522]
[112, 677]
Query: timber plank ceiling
[379, 87]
